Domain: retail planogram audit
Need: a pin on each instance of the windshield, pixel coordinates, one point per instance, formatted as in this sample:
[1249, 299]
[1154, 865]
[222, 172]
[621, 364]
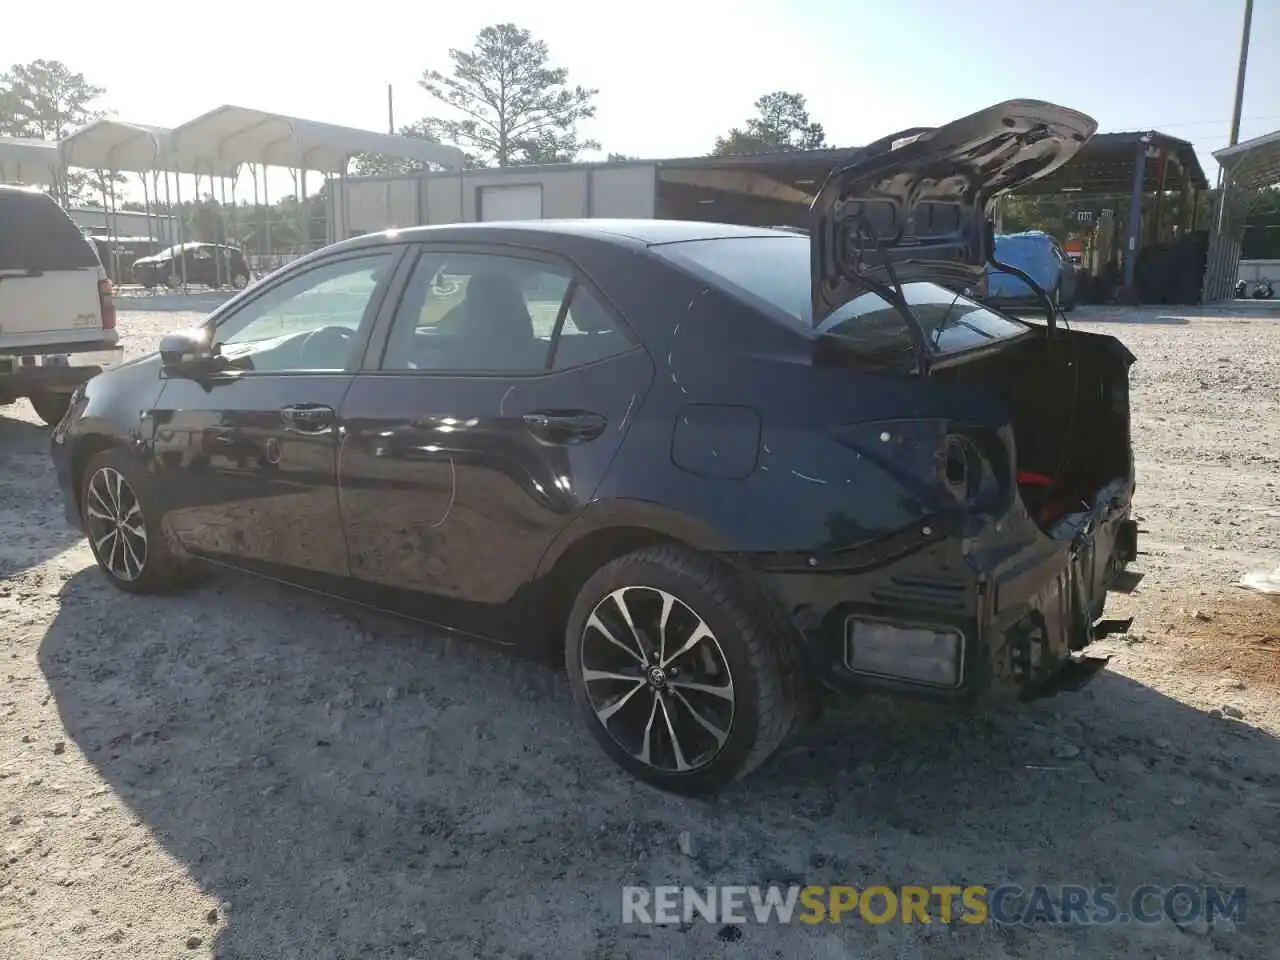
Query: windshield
[773, 273]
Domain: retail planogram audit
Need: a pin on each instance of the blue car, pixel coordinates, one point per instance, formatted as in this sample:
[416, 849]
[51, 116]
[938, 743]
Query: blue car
[1042, 258]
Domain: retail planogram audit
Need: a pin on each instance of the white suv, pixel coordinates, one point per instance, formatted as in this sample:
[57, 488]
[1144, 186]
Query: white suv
[57, 318]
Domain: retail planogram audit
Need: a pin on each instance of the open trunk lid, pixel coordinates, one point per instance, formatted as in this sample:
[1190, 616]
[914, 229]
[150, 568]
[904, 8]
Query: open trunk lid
[912, 206]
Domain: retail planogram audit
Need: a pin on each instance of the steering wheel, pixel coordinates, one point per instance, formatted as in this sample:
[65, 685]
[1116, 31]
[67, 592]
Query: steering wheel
[321, 344]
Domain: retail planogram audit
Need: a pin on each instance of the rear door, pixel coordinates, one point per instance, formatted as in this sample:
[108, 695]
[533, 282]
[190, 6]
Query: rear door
[49, 273]
[499, 400]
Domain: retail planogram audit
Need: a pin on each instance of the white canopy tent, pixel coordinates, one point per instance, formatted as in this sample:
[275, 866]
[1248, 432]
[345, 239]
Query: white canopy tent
[131, 148]
[32, 162]
[239, 135]
[114, 146]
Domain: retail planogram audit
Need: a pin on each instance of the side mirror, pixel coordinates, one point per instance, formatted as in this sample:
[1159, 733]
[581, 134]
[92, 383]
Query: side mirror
[187, 354]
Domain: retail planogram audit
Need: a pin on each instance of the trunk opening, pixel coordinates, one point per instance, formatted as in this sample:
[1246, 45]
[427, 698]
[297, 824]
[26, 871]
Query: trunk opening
[1068, 401]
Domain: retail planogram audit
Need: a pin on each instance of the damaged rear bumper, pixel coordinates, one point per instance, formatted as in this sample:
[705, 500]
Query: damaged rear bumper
[1004, 614]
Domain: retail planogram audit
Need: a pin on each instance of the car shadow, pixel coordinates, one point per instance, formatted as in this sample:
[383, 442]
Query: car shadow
[351, 786]
[34, 526]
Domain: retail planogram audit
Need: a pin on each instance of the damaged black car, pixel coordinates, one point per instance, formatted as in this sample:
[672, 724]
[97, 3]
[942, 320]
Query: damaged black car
[722, 472]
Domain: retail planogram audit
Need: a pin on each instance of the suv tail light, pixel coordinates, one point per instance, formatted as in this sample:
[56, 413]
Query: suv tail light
[105, 291]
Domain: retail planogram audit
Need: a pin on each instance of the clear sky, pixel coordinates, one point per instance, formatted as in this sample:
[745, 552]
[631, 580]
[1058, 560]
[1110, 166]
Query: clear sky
[673, 75]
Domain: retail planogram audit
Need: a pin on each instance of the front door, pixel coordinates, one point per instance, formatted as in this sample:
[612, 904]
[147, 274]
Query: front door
[246, 459]
[501, 398]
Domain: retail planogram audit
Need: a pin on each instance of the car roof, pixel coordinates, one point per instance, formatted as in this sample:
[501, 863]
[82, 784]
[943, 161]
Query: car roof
[622, 231]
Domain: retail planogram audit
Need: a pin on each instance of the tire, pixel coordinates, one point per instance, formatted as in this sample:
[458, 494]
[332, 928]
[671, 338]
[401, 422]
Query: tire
[748, 654]
[156, 569]
[239, 281]
[51, 407]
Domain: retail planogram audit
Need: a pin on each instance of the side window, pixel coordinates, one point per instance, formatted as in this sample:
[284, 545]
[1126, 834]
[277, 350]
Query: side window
[589, 332]
[485, 313]
[309, 321]
[36, 234]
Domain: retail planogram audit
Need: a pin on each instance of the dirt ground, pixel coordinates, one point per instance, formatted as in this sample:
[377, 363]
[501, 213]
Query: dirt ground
[249, 772]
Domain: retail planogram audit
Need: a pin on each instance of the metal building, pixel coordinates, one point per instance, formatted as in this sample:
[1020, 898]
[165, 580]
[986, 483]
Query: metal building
[1247, 168]
[764, 189]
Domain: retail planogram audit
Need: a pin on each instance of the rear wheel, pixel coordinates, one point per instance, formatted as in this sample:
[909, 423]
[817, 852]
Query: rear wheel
[240, 281]
[122, 522]
[50, 407]
[680, 669]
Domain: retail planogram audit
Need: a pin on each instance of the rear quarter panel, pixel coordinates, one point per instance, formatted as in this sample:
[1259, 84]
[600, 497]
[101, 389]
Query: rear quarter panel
[750, 386]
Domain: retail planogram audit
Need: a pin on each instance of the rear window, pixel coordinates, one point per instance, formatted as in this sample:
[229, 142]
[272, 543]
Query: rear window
[36, 234]
[773, 273]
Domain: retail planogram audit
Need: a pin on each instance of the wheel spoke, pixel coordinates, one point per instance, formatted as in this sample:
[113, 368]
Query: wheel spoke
[111, 557]
[701, 632]
[591, 676]
[619, 703]
[96, 513]
[720, 735]
[677, 753]
[104, 538]
[596, 623]
[724, 692]
[620, 601]
[130, 554]
[646, 745]
[96, 494]
[668, 601]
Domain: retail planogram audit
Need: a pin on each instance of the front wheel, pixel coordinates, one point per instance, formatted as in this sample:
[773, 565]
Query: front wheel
[681, 670]
[122, 522]
[240, 281]
[51, 407]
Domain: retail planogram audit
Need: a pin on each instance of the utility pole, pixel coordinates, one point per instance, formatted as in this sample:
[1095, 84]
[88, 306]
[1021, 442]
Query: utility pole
[1240, 73]
[391, 110]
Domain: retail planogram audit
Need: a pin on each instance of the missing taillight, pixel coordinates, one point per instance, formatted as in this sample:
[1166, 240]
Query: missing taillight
[106, 297]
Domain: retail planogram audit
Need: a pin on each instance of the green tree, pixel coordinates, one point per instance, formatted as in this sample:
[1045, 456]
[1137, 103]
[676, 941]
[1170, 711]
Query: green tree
[381, 165]
[46, 100]
[781, 123]
[513, 107]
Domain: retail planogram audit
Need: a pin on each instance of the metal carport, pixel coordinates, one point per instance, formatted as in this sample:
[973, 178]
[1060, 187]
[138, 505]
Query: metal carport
[230, 134]
[1247, 168]
[1130, 166]
[114, 146]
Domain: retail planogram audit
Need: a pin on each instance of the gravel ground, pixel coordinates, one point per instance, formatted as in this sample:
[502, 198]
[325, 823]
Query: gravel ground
[248, 772]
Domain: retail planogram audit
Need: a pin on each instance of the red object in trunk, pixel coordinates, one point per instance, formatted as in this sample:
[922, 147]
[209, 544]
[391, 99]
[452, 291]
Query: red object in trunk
[1034, 479]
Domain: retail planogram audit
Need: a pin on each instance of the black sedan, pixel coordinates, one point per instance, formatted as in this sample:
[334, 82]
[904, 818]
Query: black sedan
[720, 470]
[211, 264]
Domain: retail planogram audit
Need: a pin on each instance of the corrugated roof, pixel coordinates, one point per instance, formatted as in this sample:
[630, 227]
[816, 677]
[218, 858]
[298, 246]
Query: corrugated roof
[1254, 163]
[1105, 166]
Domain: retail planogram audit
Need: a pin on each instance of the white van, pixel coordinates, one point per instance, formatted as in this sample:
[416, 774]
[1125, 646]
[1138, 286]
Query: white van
[57, 318]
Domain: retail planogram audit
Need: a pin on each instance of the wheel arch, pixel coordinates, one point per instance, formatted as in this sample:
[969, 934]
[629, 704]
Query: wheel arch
[86, 448]
[600, 534]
